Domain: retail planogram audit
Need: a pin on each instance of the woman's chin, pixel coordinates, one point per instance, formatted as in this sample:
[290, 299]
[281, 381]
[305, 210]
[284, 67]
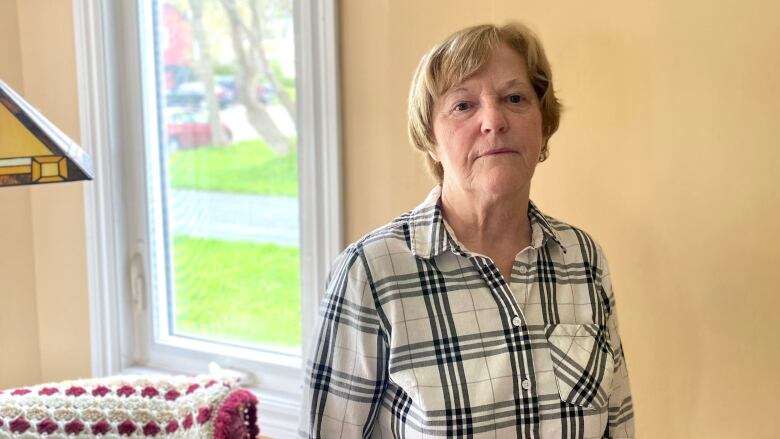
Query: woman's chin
[503, 184]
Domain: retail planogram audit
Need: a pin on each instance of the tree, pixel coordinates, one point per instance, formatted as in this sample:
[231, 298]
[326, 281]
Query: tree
[205, 69]
[254, 70]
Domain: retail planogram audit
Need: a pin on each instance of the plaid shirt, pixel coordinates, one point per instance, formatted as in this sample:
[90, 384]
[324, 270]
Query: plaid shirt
[421, 338]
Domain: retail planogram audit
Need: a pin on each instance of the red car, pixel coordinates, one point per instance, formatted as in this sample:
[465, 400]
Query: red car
[187, 130]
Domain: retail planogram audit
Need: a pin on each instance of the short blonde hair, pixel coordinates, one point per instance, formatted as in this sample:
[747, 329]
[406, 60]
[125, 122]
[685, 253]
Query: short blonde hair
[457, 58]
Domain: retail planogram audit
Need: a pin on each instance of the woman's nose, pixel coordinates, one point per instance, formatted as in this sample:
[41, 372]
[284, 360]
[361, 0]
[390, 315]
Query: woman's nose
[493, 119]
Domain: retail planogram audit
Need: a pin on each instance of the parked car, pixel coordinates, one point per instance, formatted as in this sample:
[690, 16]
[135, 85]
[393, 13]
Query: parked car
[190, 129]
[193, 95]
[264, 92]
[228, 84]
[184, 100]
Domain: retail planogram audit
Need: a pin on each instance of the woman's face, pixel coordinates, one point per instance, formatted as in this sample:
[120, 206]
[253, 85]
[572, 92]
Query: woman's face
[489, 128]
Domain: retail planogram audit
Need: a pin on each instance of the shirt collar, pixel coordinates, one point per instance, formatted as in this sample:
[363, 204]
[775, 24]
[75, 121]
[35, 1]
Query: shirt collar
[429, 235]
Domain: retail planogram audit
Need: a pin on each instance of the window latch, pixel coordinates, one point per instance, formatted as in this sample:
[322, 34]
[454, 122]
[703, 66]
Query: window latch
[137, 282]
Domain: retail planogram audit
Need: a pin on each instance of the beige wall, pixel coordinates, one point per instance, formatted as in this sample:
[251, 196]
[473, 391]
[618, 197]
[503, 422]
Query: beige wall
[18, 312]
[667, 153]
[43, 289]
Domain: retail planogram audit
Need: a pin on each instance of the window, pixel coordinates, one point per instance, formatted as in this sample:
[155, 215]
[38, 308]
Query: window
[227, 211]
[216, 208]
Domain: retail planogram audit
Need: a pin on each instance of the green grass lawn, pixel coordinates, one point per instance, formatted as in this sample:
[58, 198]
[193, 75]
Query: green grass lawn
[237, 291]
[244, 167]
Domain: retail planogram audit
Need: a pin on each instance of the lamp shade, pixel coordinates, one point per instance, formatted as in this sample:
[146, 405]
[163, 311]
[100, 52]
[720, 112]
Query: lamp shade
[32, 149]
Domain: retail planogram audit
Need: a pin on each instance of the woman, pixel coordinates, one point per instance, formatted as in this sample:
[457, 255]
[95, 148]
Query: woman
[474, 314]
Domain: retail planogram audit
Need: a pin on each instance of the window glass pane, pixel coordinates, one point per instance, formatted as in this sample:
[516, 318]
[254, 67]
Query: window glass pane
[226, 88]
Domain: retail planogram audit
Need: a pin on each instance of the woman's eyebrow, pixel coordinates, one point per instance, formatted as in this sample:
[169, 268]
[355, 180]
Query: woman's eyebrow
[456, 91]
[462, 89]
[515, 82]
[453, 94]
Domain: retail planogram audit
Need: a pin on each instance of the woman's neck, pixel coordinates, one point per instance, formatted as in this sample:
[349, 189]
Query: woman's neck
[494, 225]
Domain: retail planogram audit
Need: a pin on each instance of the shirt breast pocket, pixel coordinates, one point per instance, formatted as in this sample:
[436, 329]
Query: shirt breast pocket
[583, 363]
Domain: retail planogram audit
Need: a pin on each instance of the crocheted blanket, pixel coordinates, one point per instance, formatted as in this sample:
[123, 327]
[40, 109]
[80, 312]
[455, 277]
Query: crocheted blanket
[130, 407]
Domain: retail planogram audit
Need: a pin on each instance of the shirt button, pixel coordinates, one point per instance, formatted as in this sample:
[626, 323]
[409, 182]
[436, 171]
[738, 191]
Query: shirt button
[526, 384]
[516, 321]
[523, 269]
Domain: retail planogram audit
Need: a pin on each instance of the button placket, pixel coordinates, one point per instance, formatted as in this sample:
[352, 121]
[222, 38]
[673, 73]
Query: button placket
[499, 286]
[523, 269]
[526, 260]
[508, 304]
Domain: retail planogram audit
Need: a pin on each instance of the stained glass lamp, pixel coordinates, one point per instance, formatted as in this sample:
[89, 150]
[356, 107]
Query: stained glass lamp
[32, 149]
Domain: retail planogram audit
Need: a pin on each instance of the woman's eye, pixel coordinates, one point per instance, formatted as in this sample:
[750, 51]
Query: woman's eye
[462, 106]
[515, 99]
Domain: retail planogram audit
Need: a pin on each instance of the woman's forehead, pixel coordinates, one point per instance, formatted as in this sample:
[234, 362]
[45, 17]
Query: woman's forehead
[473, 85]
[462, 76]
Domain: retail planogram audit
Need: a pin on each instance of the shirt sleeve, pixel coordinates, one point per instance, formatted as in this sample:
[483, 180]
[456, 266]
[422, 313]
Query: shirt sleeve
[621, 410]
[346, 372]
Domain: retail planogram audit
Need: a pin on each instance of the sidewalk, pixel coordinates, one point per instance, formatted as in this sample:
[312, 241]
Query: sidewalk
[236, 217]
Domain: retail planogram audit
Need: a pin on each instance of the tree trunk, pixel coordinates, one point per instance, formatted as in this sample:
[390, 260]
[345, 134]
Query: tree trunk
[205, 68]
[259, 51]
[249, 77]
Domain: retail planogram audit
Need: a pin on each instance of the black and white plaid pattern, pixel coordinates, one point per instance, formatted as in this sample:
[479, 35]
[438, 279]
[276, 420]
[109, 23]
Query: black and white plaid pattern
[420, 338]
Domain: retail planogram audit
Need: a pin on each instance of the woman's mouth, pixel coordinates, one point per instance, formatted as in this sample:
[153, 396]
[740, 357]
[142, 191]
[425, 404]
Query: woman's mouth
[498, 151]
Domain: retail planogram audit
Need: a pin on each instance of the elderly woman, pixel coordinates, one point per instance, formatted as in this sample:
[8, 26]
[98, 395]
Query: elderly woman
[475, 314]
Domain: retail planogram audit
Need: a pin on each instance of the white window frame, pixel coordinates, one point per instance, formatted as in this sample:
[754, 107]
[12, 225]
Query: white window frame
[108, 48]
